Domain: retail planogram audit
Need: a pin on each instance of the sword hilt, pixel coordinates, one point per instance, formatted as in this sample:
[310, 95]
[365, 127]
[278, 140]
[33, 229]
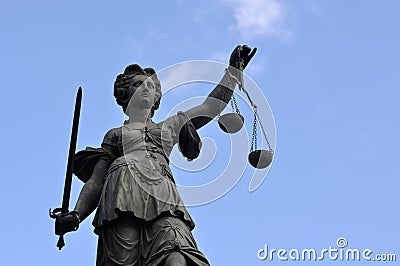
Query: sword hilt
[54, 214]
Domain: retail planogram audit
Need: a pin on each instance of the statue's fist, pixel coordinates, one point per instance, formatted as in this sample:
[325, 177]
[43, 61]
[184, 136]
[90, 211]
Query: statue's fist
[241, 56]
[67, 222]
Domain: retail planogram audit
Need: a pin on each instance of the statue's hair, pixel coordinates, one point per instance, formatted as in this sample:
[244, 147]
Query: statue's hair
[123, 81]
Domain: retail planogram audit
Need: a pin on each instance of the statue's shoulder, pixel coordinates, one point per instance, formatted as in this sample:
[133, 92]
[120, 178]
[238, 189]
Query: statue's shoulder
[114, 132]
[113, 136]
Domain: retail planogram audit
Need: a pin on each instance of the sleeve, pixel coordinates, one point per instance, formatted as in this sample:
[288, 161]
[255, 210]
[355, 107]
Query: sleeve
[111, 143]
[174, 124]
[185, 134]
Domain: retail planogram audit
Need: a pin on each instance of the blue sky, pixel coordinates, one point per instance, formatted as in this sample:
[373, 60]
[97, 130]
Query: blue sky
[329, 70]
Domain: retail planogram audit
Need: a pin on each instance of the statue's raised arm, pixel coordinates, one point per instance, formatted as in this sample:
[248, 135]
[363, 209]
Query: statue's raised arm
[220, 96]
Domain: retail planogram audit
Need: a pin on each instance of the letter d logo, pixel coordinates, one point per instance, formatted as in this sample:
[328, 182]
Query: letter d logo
[262, 253]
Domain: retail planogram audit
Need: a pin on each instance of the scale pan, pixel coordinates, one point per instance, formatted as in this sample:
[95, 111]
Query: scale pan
[231, 122]
[260, 158]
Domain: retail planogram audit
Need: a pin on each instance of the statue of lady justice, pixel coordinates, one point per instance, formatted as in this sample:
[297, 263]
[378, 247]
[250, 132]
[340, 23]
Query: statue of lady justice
[140, 217]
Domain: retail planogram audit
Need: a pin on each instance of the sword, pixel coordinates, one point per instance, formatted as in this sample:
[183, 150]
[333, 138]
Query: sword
[57, 212]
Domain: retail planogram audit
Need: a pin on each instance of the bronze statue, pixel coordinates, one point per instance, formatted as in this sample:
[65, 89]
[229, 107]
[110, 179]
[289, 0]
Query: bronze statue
[140, 217]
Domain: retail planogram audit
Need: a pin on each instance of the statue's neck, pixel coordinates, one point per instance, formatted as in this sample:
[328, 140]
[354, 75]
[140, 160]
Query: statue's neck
[139, 115]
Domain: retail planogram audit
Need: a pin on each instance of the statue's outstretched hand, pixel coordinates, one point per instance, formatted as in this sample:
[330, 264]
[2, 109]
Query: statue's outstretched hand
[67, 222]
[241, 56]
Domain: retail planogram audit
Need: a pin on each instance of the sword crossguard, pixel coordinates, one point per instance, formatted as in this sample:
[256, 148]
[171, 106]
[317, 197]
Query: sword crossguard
[54, 214]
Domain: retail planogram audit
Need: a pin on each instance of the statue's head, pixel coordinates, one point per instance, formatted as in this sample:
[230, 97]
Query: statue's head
[123, 85]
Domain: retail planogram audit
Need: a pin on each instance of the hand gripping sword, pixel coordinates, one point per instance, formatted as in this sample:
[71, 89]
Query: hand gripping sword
[57, 212]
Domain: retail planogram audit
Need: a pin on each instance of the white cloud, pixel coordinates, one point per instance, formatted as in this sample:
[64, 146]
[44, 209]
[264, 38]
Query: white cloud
[260, 18]
[191, 71]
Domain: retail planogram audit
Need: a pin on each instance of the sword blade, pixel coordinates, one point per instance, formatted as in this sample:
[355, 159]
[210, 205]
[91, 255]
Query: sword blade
[71, 153]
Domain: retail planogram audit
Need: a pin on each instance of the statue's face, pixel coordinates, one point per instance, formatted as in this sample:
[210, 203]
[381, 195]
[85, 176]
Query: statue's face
[141, 92]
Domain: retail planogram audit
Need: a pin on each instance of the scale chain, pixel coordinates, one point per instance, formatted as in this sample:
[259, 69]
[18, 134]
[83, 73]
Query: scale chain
[262, 130]
[234, 104]
[254, 135]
